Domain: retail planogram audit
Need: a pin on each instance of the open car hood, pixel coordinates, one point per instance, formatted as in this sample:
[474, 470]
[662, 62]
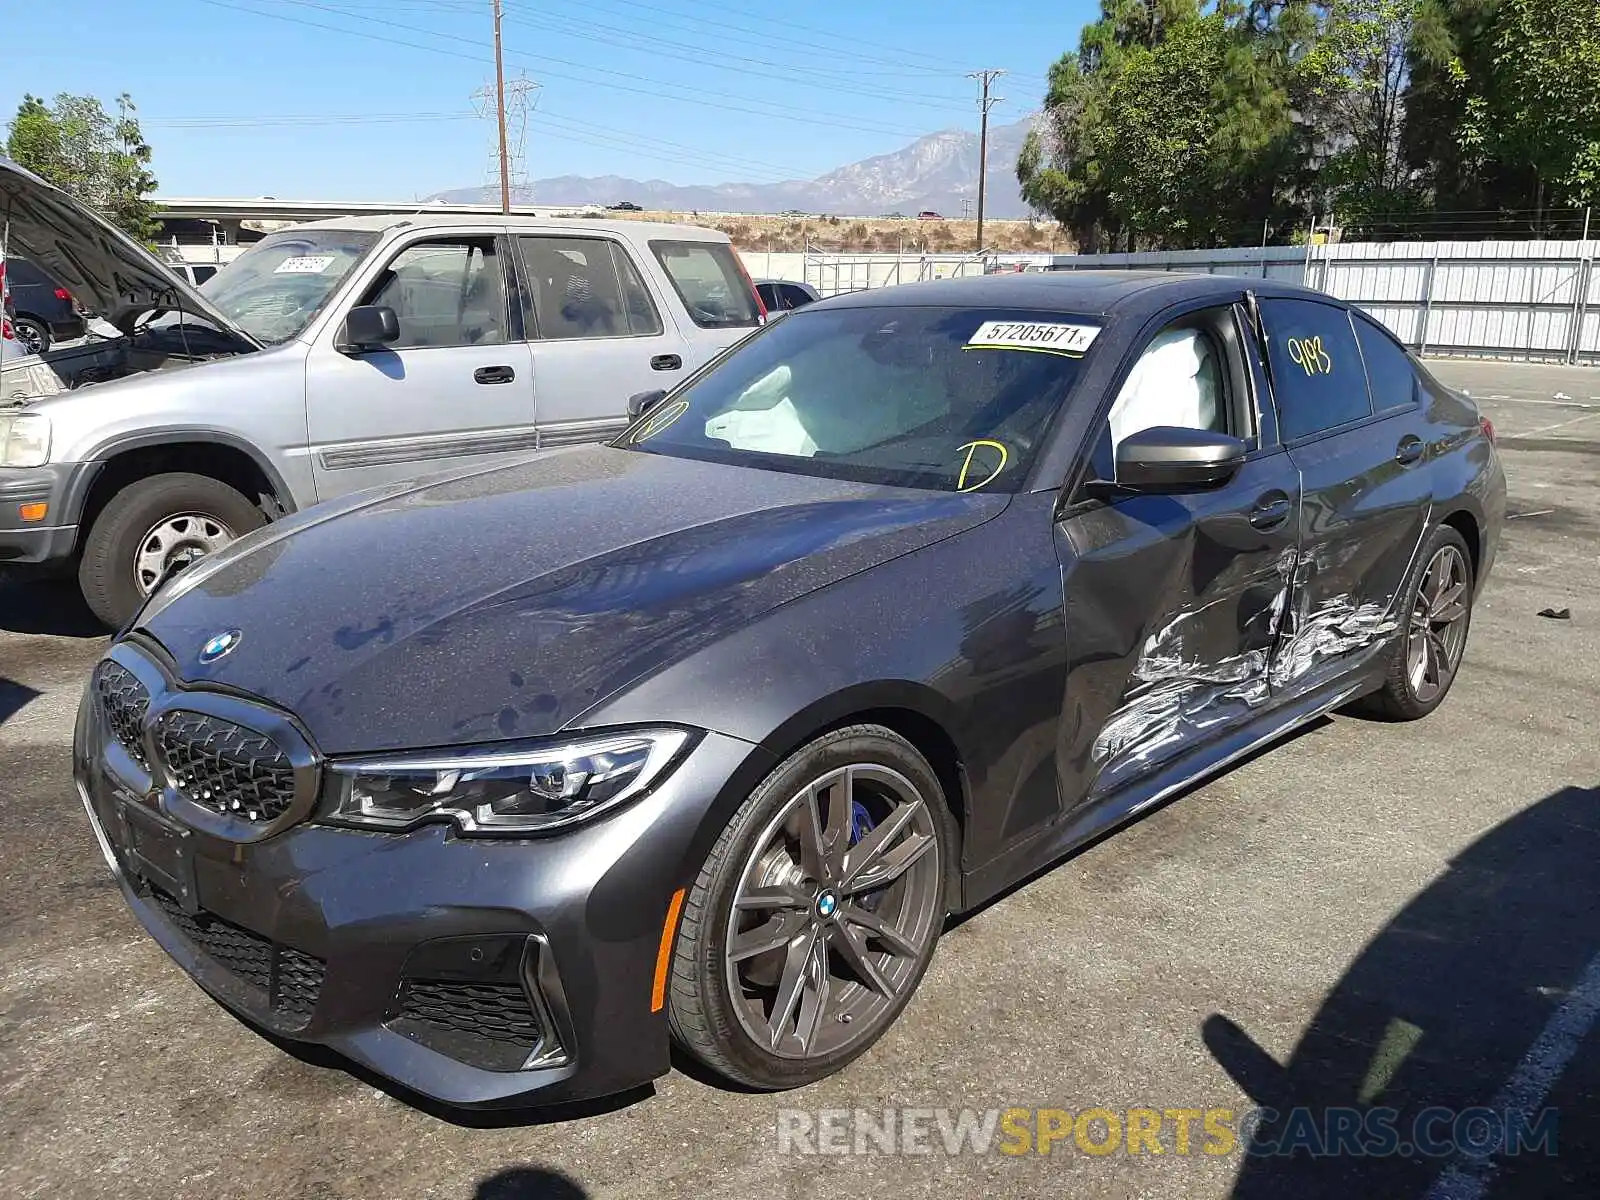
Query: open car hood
[108, 272]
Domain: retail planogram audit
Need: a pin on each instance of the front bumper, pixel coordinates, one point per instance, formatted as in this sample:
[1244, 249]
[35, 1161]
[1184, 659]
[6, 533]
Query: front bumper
[57, 485]
[355, 940]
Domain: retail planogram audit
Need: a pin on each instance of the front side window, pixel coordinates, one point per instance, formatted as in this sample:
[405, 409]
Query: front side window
[951, 399]
[1389, 373]
[1178, 381]
[710, 282]
[585, 288]
[1317, 373]
[449, 292]
[278, 286]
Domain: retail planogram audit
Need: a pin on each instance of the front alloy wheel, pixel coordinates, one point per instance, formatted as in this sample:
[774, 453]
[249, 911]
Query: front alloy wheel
[817, 912]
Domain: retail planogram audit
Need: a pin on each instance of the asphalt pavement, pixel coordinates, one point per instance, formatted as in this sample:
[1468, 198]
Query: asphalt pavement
[1367, 914]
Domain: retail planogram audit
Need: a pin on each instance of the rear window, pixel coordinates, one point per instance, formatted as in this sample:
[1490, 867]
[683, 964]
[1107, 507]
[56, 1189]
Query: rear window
[710, 282]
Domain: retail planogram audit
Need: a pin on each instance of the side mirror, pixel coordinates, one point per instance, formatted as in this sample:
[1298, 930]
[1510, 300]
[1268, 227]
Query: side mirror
[367, 325]
[642, 402]
[1166, 458]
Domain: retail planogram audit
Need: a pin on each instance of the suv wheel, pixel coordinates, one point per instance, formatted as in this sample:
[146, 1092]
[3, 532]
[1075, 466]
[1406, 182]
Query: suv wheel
[150, 527]
[816, 912]
[34, 335]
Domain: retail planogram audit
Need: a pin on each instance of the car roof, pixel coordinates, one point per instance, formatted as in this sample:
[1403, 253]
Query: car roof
[631, 230]
[1087, 292]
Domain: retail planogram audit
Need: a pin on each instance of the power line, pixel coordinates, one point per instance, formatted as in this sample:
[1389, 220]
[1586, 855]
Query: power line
[722, 24]
[657, 92]
[619, 138]
[796, 76]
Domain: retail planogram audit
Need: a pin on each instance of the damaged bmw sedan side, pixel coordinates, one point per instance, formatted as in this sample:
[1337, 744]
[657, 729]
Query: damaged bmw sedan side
[500, 784]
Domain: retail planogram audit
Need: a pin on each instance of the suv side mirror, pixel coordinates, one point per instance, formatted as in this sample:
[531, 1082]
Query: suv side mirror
[1166, 458]
[367, 325]
[642, 402]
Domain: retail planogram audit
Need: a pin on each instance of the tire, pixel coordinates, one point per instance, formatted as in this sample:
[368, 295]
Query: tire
[1404, 696]
[35, 335]
[112, 548]
[716, 1011]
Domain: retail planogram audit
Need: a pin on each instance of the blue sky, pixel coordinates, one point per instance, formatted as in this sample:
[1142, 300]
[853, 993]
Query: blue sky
[371, 99]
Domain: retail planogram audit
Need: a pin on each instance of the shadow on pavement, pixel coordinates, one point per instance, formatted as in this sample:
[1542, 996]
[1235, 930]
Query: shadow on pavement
[49, 606]
[1480, 992]
[528, 1183]
[13, 696]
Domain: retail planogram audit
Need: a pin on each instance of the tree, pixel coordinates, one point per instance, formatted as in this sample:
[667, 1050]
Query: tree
[99, 159]
[1503, 108]
[1543, 98]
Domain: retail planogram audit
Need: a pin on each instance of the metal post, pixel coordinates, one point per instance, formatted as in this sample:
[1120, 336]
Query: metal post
[1427, 306]
[1580, 307]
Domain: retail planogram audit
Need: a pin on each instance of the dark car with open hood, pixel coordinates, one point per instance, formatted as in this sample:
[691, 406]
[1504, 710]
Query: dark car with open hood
[501, 784]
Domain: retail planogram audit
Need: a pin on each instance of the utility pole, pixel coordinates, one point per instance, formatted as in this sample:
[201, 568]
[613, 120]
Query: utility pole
[985, 103]
[500, 113]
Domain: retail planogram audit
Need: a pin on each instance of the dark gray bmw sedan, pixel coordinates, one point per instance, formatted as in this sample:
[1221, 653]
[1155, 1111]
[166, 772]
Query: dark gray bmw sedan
[500, 784]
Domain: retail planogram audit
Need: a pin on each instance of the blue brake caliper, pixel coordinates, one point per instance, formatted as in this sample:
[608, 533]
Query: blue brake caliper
[861, 822]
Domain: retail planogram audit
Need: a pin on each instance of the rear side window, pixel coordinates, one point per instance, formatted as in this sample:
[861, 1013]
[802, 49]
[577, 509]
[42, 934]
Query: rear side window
[794, 297]
[1317, 372]
[585, 288]
[710, 282]
[1389, 374]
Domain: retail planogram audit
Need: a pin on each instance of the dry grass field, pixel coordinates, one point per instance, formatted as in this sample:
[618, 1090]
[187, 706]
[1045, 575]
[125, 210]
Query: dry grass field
[875, 234]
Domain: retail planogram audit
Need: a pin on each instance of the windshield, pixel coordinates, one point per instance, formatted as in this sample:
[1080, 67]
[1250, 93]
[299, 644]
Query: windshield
[953, 399]
[275, 288]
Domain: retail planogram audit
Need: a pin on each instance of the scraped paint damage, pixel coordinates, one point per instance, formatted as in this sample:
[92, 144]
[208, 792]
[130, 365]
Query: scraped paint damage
[1175, 697]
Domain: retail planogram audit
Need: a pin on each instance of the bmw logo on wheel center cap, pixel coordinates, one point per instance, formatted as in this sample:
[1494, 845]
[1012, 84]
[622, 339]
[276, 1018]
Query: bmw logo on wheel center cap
[220, 644]
[826, 904]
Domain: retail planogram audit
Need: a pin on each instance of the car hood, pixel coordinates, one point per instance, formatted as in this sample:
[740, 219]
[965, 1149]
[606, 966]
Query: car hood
[108, 272]
[505, 604]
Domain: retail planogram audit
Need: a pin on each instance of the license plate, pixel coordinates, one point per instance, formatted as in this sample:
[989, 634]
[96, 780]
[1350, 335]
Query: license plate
[162, 854]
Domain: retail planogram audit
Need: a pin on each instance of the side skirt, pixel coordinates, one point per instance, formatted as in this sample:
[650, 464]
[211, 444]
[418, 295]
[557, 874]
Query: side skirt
[1177, 775]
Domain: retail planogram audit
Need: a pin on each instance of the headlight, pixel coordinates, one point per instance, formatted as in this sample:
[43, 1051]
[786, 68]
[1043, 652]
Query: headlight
[508, 791]
[24, 440]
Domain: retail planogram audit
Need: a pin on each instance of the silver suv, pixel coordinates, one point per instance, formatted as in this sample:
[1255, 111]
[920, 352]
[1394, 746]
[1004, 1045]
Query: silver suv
[327, 358]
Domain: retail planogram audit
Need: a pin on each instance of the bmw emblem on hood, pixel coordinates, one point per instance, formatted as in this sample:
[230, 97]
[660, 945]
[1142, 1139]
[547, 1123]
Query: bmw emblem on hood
[219, 645]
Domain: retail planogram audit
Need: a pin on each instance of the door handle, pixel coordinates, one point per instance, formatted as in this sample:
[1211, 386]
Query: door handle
[1270, 511]
[494, 375]
[1409, 450]
[665, 362]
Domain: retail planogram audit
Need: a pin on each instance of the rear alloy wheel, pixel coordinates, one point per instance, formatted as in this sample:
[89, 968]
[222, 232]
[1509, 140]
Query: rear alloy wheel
[152, 527]
[33, 335]
[816, 913]
[1426, 659]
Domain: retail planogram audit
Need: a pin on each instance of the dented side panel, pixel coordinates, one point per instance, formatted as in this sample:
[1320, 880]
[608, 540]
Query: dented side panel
[1364, 516]
[1174, 607]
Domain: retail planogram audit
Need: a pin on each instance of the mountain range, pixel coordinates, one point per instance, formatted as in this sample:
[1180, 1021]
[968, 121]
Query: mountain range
[937, 172]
